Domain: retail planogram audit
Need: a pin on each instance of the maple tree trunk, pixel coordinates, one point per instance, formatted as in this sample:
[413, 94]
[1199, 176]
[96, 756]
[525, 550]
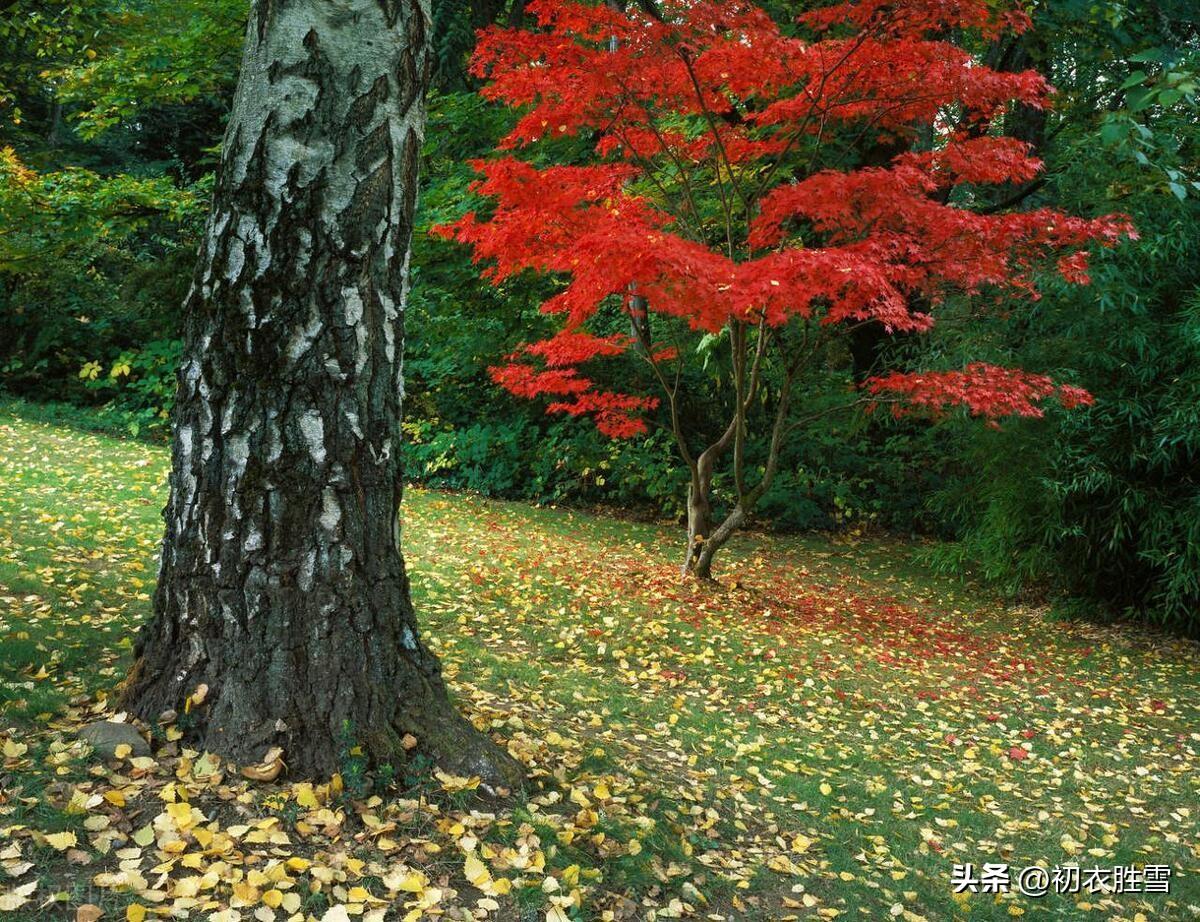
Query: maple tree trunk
[705, 537]
[697, 560]
[282, 586]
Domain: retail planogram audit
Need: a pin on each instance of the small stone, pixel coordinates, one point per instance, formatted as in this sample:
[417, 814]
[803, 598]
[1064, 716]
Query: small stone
[106, 735]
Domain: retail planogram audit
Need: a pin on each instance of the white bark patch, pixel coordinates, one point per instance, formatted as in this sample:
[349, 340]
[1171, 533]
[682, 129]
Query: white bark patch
[235, 259]
[352, 306]
[191, 374]
[185, 481]
[312, 427]
[390, 314]
[381, 454]
[352, 315]
[185, 446]
[360, 346]
[389, 342]
[303, 338]
[404, 280]
[216, 227]
[274, 442]
[246, 298]
[408, 640]
[239, 451]
[227, 412]
[307, 568]
[331, 511]
[334, 369]
[206, 420]
[284, 153]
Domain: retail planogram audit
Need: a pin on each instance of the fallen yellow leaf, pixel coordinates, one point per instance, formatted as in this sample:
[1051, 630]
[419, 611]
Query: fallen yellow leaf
[62, 840]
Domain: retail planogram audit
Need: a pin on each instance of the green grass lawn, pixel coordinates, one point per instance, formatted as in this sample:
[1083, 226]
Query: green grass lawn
[825, 736]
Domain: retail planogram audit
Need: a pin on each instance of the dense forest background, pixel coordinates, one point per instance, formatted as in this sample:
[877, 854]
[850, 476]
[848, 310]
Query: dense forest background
[111, 115]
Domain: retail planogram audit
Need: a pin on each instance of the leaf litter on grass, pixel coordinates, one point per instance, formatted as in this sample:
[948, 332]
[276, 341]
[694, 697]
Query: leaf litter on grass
[824, 737]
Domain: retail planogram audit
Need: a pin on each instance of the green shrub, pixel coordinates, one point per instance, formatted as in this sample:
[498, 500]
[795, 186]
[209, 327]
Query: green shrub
[1101, 504]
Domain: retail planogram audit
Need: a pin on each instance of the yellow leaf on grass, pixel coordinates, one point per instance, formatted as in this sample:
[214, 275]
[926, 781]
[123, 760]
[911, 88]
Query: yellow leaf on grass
[181, 813]
[246, 892]
[455, 783]
[62, 840]
[14, 750]
[186, 888]
[406, 879]
[826, 789]
[273, 898]
[17, 897]
[476, 871]
[135, 913]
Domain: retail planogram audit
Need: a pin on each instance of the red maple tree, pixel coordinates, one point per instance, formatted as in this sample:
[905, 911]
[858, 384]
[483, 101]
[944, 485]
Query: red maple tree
[773, 187]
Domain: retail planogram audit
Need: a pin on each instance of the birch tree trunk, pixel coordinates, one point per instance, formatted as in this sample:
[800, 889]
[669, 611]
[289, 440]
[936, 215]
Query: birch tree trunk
[282, 585]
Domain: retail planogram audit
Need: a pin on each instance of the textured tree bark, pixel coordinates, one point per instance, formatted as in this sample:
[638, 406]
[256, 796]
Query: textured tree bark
[697, 561]
[282, 586]
[705, 536]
